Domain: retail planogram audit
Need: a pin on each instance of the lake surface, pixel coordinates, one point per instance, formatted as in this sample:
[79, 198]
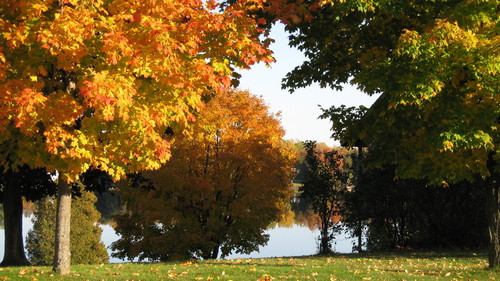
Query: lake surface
[283, 242]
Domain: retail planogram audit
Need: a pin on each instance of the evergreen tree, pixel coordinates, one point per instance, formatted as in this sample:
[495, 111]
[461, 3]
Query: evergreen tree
[86, 245]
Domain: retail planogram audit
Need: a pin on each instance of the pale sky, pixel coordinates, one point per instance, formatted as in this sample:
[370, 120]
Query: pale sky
[300, 110]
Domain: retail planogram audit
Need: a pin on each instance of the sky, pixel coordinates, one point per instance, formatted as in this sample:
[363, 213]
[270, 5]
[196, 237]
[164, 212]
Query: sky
[300, 110]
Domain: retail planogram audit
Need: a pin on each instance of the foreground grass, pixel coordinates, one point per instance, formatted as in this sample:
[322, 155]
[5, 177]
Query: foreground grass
[406, 266]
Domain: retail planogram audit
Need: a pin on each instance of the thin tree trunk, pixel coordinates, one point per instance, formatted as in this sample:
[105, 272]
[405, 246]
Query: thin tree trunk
[493, 213]
[215, 252]
[62, 256]
[359, 232]
[325, 240]
[359, 171]
[13, 217]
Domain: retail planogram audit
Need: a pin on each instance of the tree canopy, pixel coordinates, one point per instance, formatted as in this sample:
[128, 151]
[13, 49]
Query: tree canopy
[101, 84]
[435, 64]
[325, 182]
[225, 184]
[97, 84]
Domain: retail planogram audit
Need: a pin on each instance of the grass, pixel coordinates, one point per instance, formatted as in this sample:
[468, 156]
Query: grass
[388, 266]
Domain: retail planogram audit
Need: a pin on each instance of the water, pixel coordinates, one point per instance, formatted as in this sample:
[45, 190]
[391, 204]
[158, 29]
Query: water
[297, 240]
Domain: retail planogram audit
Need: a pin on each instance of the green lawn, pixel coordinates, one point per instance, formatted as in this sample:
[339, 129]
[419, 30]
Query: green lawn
[400, 266]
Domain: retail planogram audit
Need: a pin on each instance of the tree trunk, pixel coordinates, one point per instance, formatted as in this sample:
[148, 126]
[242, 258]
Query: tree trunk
[325, 240]
[359, 171]
[215, 252]
[62, 256]
[359, 232]
[493, 213]
[13, 217]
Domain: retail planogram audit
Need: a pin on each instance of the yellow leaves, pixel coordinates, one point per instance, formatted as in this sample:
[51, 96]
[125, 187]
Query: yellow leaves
[234, 137]
[65, 37]
[139, 67]
[265, 277]
[408, 43]
[17, 37]
[110, 95]
[28, 102]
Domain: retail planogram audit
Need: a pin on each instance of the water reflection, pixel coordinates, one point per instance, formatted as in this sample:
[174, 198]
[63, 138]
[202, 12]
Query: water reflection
[298, 238]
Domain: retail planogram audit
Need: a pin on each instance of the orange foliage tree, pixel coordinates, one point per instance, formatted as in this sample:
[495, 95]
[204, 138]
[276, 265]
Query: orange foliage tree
[96, 84]
[224, 185]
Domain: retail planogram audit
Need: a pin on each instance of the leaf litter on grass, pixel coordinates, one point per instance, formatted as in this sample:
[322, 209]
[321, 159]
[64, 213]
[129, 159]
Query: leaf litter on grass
[345, 267]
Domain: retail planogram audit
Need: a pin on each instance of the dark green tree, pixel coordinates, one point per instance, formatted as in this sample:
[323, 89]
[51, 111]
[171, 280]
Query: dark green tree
[435, 64]
[408, 213]
[325, 181]
[86, 246]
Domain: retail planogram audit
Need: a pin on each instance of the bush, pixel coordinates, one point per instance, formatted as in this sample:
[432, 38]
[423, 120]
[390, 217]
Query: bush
[86, 246]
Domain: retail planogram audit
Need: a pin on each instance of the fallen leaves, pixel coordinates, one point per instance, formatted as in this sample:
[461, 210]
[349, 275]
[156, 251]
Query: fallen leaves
[349, 267]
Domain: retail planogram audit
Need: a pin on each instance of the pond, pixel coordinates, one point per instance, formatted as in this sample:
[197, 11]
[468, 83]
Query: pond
[297, 240]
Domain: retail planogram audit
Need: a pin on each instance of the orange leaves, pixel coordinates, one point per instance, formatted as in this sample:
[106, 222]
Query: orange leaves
[27, 102]
[232, 167]
[96, 83]
[65, 37]
[116, 45]
[110, 95]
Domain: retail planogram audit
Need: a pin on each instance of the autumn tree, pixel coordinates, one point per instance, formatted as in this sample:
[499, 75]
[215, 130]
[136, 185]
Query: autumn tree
[436, 66]
[325, 182]
[227, 181]
[99, 84]
[86, 246]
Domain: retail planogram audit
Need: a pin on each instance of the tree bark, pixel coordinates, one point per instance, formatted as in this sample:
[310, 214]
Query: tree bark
[215, 252]
[325, 239]
[13, 214]
[359, 171]
[493, 213]
[62, 256]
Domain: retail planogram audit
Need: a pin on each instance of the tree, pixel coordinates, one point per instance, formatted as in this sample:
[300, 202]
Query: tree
[225, 184]
[436, 65]
[409, 214]
[326, 180]
[86, 246]
[33, 184]
[100, 84]
[345, 127]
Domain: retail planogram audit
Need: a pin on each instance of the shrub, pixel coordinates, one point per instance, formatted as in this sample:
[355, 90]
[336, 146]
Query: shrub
[86, 246]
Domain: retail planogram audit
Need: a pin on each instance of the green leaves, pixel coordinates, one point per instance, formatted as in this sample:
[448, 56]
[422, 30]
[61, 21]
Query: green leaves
[345, 120]
[86, 246]
[435, 64]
